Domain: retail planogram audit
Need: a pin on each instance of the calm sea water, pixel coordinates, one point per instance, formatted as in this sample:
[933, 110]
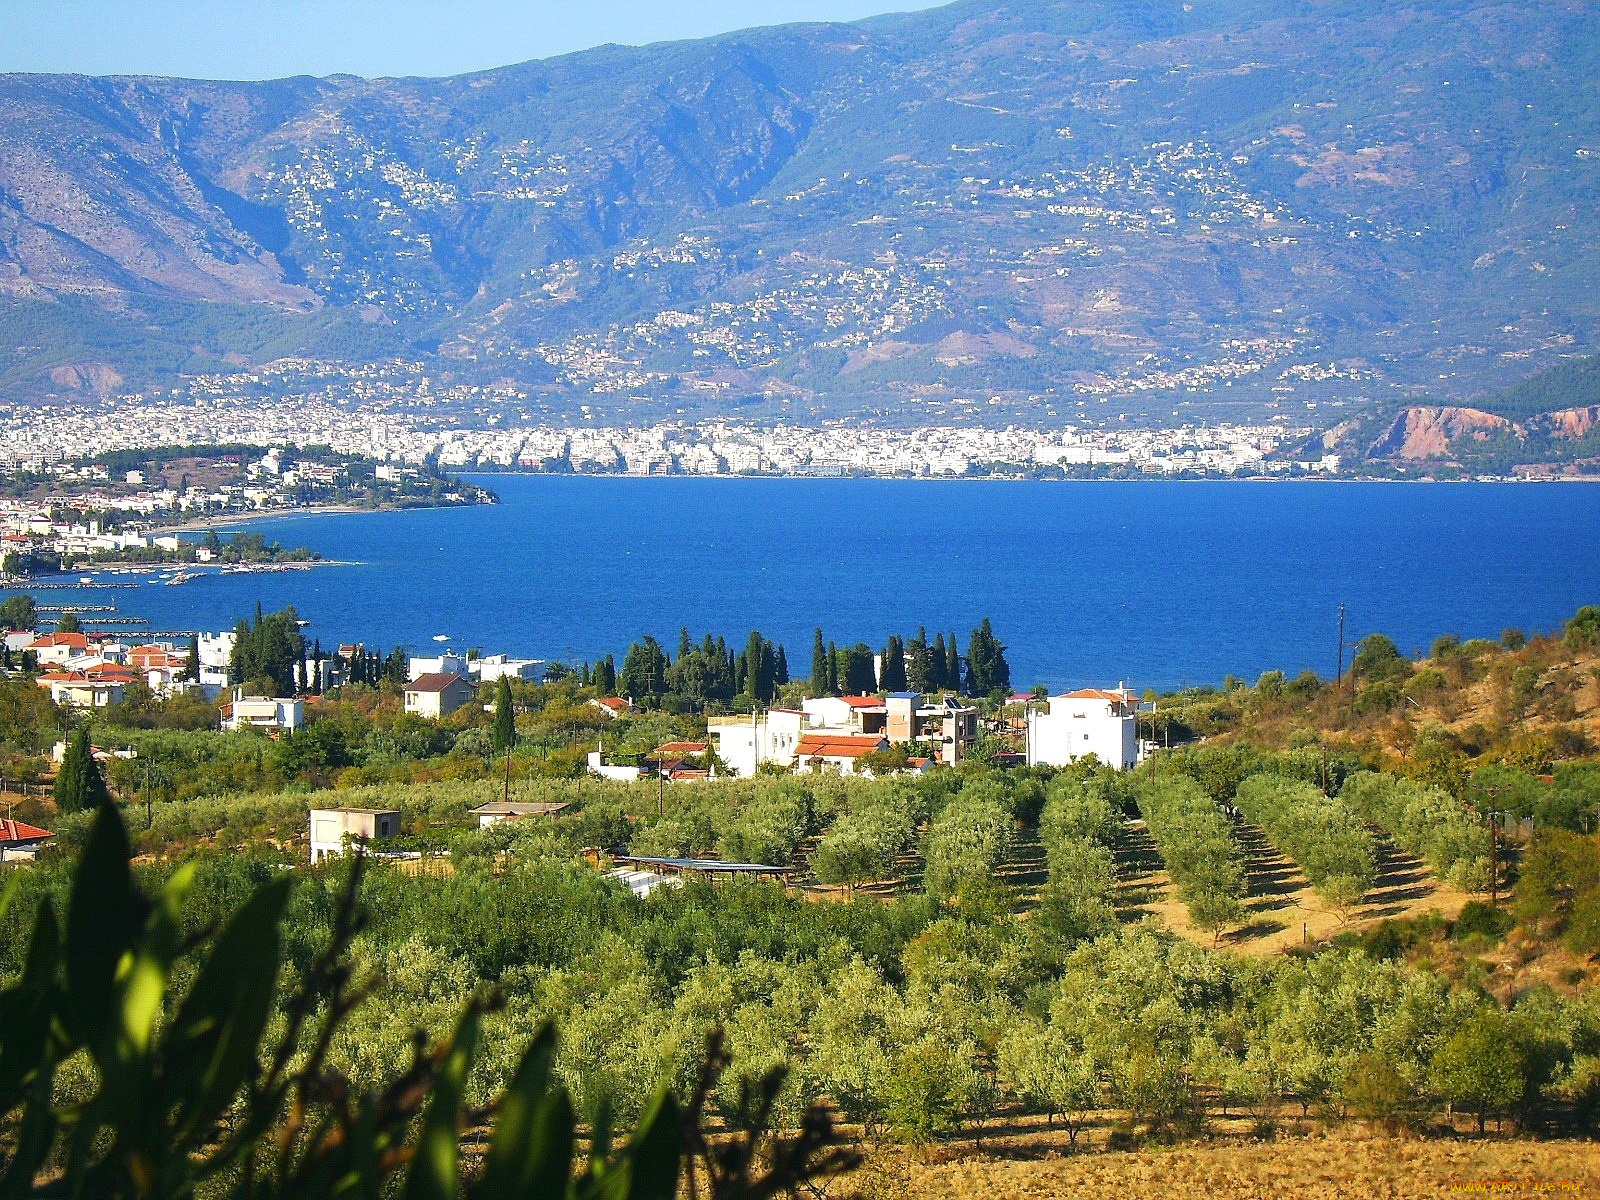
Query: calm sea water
[1157, 584]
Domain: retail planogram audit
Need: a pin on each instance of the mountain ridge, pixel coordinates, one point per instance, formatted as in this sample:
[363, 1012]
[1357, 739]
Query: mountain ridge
[1070, 209]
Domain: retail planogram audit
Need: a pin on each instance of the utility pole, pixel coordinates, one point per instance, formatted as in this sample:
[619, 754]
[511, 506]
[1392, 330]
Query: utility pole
[1339, 676]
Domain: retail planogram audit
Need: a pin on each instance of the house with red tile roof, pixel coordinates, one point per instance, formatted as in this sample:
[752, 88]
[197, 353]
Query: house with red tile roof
[836, 753]
[19, 842]
[57, 648]
[438, 694]
[1103, 722]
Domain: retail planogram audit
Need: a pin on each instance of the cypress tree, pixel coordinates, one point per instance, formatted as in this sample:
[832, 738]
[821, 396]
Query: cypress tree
[819, 665]
[505, 717]
[917, 661]
[780, 668]
[606, 677]
[192, 667]
[833, 669]
[79, 784]
[893, 676]
[936, 662]
[952, 663]
[987, 670]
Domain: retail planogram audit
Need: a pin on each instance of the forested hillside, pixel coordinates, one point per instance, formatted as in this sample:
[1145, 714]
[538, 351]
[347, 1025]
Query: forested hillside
[1190, 211]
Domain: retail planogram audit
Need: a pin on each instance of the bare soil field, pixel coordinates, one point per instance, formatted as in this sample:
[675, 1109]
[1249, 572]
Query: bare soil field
[1337, 1166]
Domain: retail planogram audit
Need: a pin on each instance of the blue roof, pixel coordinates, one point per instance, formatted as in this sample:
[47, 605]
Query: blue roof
[904, 695]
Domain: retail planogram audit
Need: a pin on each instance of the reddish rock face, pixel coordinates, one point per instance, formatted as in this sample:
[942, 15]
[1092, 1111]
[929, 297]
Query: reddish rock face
[1426, 431]
[1569, 422]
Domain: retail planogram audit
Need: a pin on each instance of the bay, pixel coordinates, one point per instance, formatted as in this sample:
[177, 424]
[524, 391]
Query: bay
[1157, 584]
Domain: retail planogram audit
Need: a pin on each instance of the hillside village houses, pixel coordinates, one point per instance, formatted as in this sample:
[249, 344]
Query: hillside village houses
[827, 734]
[832, 733]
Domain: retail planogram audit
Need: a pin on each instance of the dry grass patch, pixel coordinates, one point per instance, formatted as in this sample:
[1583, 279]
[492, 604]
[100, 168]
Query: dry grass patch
[1334, 1167]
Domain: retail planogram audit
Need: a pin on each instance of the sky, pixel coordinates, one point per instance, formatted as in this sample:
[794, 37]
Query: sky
[268, 39]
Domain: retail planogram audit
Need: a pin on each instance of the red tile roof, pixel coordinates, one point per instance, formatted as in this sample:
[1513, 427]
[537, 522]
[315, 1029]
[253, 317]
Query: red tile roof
[862, 701]
[14, 833]
[818, 745]
[77, 641]
[1100, 694]
[682, 748]
[437, 681]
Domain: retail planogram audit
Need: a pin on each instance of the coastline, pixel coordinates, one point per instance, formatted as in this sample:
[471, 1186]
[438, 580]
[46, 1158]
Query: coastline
[231, 520]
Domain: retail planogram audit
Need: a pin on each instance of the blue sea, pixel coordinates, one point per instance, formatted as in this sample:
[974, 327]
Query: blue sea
[1156, 584]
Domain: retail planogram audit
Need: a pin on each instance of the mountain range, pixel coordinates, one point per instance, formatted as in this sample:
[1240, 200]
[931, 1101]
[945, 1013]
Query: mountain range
[1025, 211]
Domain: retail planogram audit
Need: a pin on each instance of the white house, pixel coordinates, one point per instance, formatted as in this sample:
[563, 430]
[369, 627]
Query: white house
[490, 668]
[330, 827]
[438, 694]
[838, 754]
[448, 663]
[20, 842]
[621, 774]
[745, 743]
[1095, 721]
[512, 810]
[275, 714]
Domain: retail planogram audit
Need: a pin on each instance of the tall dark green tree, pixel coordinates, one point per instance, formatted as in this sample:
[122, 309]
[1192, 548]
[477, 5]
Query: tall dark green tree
[605, 676]
[987, 669]
[819, 665]
[952, 662]
[504, 734]
[191, 668]
[918, 662]
[780, 667]
[892, 678]
[18, 612]
[937, 658]
[856, 674]
[833, 670]
[760, 665]
[643, 678]
[69, 623]
[79, 784]
[268, 650]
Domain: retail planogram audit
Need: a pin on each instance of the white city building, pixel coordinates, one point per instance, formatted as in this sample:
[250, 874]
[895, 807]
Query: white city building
[1097, 721]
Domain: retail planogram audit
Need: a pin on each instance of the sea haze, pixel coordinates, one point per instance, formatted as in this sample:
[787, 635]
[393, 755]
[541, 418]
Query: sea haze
[1158, 584]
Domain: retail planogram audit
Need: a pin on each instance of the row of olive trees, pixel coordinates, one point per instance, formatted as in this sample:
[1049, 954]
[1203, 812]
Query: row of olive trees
[1426, 822]
[1081, 828]
[967, 842]
[1325, 838]
[1196, 842]
[770, 825]
[865, 841]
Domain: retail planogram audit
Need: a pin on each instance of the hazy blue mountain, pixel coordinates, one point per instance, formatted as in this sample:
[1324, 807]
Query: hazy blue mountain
[1202, 209]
